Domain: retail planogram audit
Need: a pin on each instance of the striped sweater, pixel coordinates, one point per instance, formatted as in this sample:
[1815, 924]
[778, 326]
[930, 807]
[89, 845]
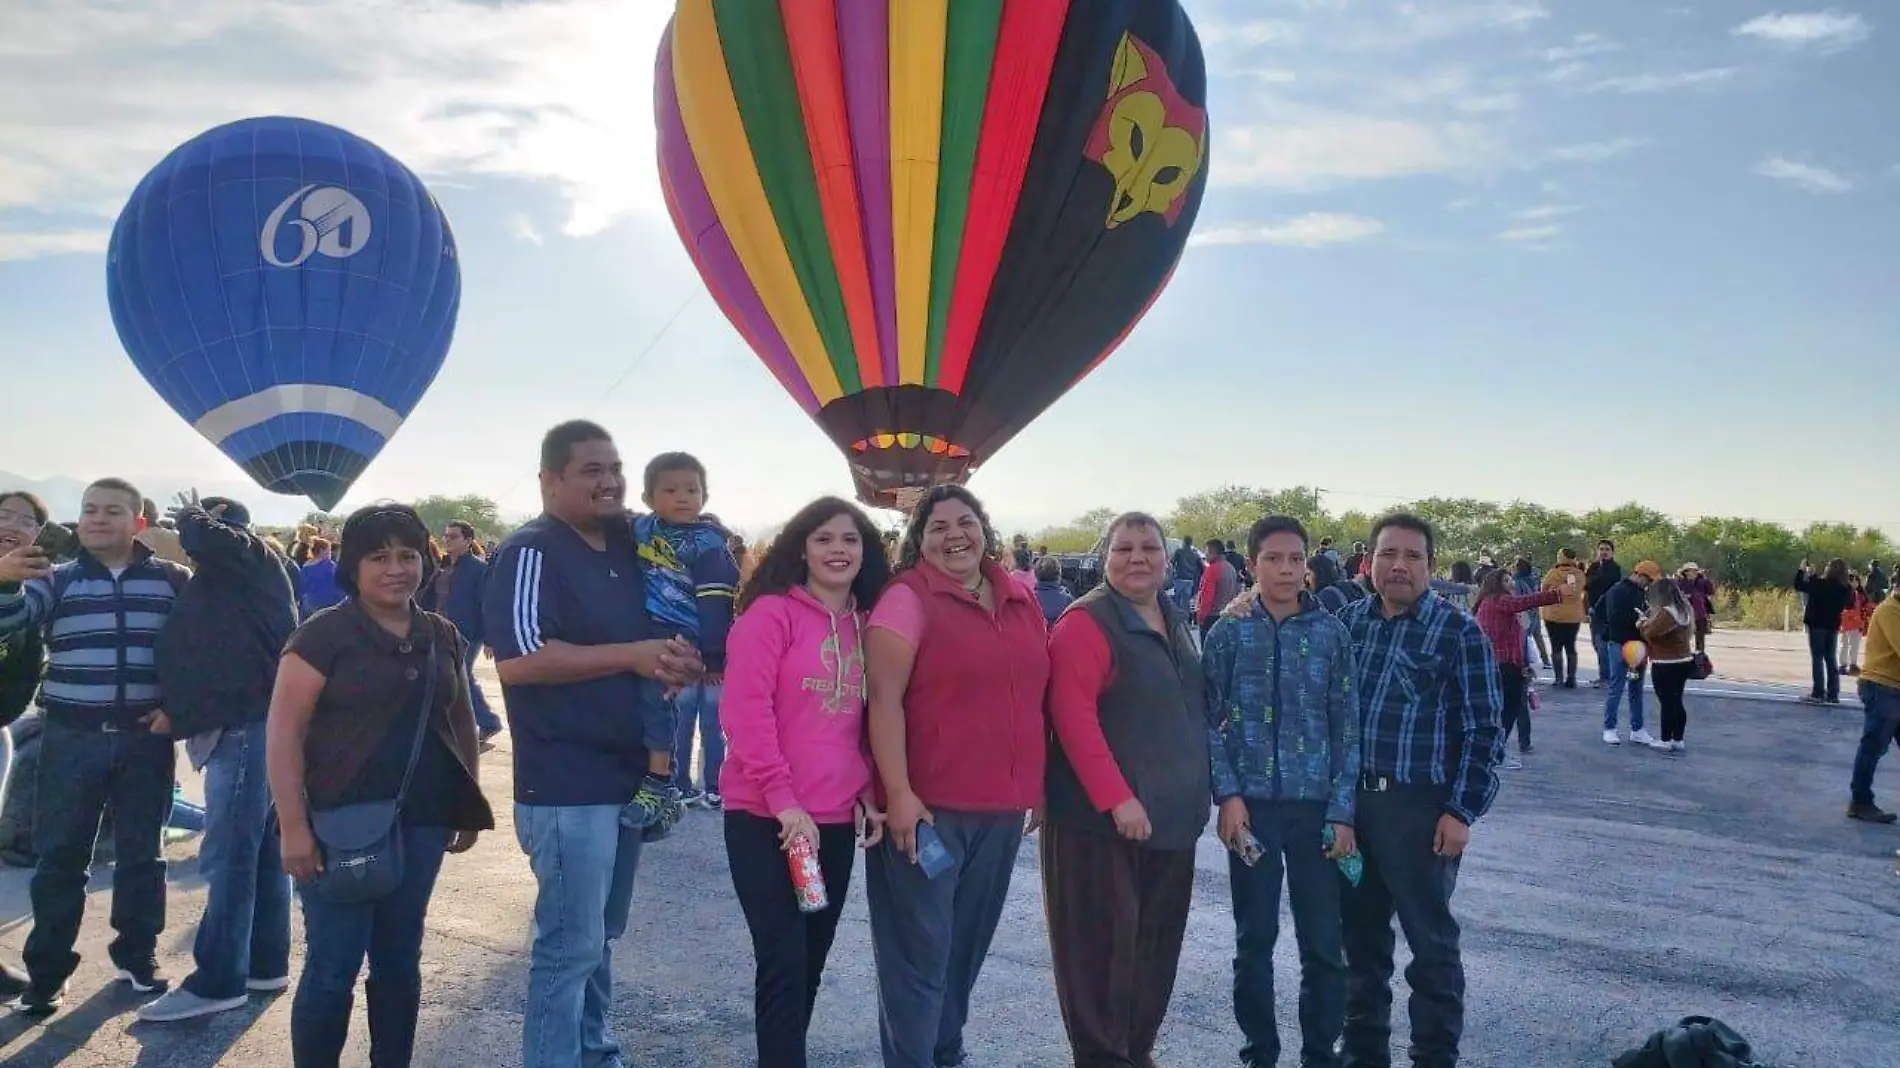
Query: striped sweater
[99, 635]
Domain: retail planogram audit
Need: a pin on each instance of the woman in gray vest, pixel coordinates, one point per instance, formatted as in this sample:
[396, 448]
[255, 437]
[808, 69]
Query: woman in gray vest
[1128, 797]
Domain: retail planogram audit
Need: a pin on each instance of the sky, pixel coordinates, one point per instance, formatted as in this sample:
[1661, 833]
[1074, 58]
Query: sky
[1576, 252]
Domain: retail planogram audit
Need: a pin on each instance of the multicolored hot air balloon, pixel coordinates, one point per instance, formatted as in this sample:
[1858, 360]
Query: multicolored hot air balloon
[931, 218]
[291, 290]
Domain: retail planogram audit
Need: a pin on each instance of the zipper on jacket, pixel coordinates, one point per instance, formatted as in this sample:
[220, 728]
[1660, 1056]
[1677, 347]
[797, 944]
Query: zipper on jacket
[1275, 692]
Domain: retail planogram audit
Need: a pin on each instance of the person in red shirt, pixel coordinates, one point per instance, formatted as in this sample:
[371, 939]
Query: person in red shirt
[957, 657]
[1128, 799]
[1497, 613]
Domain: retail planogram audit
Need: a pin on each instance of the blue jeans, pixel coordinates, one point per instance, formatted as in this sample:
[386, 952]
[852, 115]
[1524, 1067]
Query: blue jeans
[389, 932]
[583, 862]
[698, 707]
[1621, 678]
[245, 932]
[1290, 835]
[81, 771]
[1882, 729]
[485, 719]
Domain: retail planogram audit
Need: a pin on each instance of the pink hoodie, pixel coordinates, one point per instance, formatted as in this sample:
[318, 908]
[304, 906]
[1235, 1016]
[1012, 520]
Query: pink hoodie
[793, 710]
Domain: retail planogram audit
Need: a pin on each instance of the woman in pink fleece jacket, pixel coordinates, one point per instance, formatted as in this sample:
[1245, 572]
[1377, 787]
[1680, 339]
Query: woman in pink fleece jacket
[797, 757]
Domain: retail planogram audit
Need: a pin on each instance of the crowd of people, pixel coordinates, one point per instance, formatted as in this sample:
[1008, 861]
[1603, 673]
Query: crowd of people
[927, 702]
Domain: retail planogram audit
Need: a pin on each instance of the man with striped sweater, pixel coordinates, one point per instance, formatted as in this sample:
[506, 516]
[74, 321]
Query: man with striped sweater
[107, 739]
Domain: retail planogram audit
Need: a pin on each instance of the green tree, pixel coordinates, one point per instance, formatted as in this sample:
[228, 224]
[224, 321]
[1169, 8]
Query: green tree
[475, 510]
[1078, 535]
[1825, 541]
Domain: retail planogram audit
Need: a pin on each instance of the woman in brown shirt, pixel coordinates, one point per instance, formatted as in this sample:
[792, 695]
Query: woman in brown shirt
[341, 729]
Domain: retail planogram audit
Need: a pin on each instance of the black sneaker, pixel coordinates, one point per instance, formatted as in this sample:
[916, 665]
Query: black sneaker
[13, 982]
[42, 1000]
[144, 976]
[1871, 813]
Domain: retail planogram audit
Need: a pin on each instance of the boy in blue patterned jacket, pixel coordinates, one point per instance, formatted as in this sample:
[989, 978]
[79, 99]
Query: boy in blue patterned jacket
[689, 589]
[1283, 733]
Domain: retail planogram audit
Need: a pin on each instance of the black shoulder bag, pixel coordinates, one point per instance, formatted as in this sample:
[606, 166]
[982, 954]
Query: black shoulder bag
[361, 844]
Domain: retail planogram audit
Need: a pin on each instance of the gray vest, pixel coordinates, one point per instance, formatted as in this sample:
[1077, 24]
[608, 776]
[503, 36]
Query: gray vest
[1154, 717]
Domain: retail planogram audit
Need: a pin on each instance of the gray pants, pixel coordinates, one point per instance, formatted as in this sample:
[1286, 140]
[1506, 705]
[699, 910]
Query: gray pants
[930, 935]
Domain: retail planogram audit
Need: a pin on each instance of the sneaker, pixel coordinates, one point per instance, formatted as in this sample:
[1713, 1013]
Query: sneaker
[1527, 749]
[1610, 737]
[144, 976]
[1814, 699]
[182, 1004]
[1870, 813]
[1512, 763]
[1597, 682]
[41, 1000]
[1678, 746]
[691, 798]
[1570, 684]
[267, 986]
[1642, 737]
[1660, 745]
[712, 801]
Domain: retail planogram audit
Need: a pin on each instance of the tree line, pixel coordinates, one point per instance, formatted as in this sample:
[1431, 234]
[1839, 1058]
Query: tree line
[1737, 552]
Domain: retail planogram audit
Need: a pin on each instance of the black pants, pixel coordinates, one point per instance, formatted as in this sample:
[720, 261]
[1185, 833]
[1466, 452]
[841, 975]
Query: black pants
[80, 773]
[1670, 681]
[1117, 914]
[1403, 878]
[1517, 707]
[1563, 641]
[1823, 648]
[790, 946]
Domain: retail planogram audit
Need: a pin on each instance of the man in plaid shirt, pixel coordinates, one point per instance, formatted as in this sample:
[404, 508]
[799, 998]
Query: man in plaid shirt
[1431, 739]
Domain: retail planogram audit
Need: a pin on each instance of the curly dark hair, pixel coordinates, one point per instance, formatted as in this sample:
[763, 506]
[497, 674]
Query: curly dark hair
[783, 566]
[911, 549]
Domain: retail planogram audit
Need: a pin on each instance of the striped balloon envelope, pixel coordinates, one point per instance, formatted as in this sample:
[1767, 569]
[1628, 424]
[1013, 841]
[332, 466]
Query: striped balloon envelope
[930, 218]
[290, 289]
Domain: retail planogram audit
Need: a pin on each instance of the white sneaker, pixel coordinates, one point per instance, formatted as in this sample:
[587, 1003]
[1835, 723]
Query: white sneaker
[1666, 747]
[1677, 745]
[1610, 737]
[1513, 763]
[1642, 738]
[267, 986]
[182, 1004]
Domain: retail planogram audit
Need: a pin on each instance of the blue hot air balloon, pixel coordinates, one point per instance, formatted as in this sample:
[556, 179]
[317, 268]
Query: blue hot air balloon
[290, 289]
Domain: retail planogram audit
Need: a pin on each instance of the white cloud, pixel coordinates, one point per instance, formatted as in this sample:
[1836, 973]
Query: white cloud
[1803, 175]
[523, 228]
[1583, 44]
[1828, 31]
[1312, 230]
[1488, 104]
[1665, 82]
[1547, 211]
[29, 246]
[93, 93]
[1462, 204]
[1597, 151]
[1317, 149]
[1530, 234]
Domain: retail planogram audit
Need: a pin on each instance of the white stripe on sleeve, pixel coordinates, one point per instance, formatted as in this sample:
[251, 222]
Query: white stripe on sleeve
[528, 601]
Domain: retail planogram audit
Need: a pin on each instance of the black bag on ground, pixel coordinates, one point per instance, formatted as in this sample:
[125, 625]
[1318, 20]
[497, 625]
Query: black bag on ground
[1696, 1042]
[361, 844]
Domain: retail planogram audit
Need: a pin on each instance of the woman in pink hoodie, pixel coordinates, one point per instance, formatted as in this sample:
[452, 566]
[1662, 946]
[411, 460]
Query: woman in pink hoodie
[797, 758]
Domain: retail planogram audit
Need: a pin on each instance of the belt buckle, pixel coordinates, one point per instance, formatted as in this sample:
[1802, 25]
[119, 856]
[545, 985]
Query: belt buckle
[110, 728]
[1378, 784]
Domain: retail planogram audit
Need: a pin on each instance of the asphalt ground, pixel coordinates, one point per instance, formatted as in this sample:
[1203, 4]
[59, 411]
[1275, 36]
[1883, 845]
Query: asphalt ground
[1609, 892]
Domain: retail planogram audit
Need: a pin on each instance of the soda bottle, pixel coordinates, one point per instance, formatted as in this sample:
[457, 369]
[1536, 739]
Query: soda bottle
[808, 880]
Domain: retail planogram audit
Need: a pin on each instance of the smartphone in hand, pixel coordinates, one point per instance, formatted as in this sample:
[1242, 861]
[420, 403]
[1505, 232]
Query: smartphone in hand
[932, 855]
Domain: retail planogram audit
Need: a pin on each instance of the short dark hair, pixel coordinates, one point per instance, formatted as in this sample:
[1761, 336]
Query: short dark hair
[1268, 527]
[1407, 521]
[674, 461]
[119, 485]
[557, 445]
[466, 529]
[41, 515]
[1133, 519]
[1326, 542]
[1216, 545]
[149, 509]
[1048, 569]
[1606, 543]
[376, 526]
[784, 566]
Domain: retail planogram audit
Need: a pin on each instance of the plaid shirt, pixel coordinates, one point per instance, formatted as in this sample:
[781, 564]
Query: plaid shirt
[1430, 706]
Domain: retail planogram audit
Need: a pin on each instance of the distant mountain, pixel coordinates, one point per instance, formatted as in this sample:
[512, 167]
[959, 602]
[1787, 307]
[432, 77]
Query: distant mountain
[62, 496]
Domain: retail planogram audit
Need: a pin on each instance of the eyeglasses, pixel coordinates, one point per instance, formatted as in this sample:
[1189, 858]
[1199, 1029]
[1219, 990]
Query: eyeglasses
[18, 520]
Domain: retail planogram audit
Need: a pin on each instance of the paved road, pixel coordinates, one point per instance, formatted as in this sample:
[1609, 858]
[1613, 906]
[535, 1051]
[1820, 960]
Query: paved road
[1610, 891]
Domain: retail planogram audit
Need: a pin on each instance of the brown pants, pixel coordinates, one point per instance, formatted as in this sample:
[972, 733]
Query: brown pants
[1117, 914]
